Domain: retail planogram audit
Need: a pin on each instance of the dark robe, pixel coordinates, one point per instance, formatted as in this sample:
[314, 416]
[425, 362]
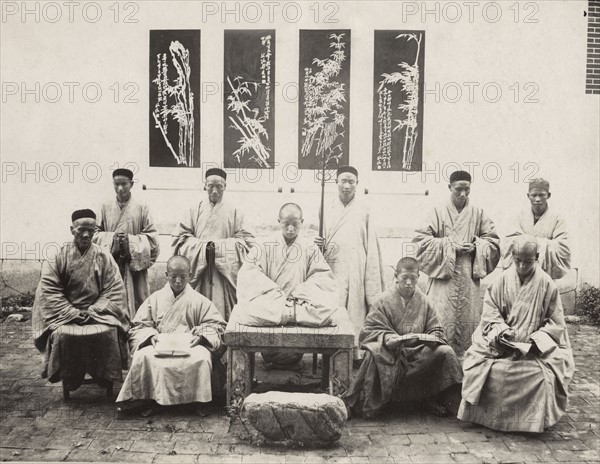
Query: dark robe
[418, 369]
[71, 282]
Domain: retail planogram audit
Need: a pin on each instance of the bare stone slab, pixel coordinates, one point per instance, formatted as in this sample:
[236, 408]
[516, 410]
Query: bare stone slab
[300, 417]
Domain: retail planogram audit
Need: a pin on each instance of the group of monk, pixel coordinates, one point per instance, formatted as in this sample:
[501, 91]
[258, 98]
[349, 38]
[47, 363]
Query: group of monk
[508, 361]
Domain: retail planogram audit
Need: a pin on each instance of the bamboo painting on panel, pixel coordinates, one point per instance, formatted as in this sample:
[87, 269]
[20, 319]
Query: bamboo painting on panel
[174, 98]
[249, 103]
[398, 100]
[324, 98]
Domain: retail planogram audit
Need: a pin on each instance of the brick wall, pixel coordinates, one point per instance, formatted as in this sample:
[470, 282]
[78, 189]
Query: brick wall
[592, 78]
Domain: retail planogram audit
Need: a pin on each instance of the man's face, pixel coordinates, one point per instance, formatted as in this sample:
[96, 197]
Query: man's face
[459, 191]
[406, 281]
[347, 183]
[215, 186]
[539, 199]
[178, 277]
[122, 186]
[83, 230]
[290, 224]
[525, 262]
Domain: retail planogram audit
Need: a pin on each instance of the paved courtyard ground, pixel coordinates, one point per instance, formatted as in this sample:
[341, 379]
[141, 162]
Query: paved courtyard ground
[36, 425]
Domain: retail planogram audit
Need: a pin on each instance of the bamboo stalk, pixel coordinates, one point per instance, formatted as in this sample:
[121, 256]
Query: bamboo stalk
[158, 124]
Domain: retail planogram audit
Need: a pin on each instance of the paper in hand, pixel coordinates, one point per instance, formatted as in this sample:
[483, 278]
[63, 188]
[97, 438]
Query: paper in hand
[522, 347]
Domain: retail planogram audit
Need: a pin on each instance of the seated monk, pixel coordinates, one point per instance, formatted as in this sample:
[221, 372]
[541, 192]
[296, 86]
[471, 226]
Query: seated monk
[286, 281]
[518, 370]
[80, 317]
[174, 369]
[407, 357]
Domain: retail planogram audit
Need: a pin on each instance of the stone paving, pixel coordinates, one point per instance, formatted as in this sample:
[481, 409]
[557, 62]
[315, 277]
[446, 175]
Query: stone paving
[36, 425]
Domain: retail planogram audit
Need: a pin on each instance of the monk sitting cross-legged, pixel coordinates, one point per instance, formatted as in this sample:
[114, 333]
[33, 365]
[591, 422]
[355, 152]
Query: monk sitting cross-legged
[286, 281]
[407, 358]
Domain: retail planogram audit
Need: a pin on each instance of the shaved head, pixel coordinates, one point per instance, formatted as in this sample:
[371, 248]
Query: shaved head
[525, 255]
[408, 264]
[524, 246]
[178, 263]
[290, 221]
[406, 276]
[290, 209]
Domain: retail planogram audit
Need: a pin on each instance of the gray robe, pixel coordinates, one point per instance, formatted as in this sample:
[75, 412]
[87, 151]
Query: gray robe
[504, 389]
[135, 220]
[454, 277]
[222, 224]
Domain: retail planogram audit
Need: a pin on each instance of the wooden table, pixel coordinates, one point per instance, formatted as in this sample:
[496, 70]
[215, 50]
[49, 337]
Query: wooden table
[335, 343]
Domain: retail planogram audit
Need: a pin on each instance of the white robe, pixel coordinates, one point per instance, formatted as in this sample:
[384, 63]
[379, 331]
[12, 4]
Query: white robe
[275, 271]
[552, 238]
[352, 251]
[173, 380]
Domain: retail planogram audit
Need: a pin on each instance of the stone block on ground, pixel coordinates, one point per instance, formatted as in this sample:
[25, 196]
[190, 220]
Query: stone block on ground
[315, 418]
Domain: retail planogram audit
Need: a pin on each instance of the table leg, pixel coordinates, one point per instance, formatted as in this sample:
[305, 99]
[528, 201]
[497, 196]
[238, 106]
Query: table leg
[239, 376]
[325, 372]
[252, 356]
[340, 373]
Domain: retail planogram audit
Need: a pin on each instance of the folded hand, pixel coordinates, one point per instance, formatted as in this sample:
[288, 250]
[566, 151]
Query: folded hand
[199, 340]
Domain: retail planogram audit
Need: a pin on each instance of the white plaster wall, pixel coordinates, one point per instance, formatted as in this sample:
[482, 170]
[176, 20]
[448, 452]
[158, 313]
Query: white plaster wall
[558, 134]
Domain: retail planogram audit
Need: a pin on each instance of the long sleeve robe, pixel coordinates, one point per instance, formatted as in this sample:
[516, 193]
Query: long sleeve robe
[275, 271]
[70, 282]
[352, 251]
[175, 380]
[503, 389]
[454, 277]
[552, 237]
[222, 224]
[135, 220]
[417, 369]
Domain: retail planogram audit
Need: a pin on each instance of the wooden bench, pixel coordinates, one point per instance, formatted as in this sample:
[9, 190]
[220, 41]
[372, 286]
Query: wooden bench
[335, 343]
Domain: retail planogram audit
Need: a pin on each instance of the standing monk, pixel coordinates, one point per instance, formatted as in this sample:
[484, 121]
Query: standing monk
[126, 229]
[351, 249]
[212, 237]
[549, 228]
[457, 247]
[518, 370]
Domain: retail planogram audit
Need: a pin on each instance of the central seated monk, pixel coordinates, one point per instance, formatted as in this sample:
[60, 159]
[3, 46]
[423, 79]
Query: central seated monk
[286, 281]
